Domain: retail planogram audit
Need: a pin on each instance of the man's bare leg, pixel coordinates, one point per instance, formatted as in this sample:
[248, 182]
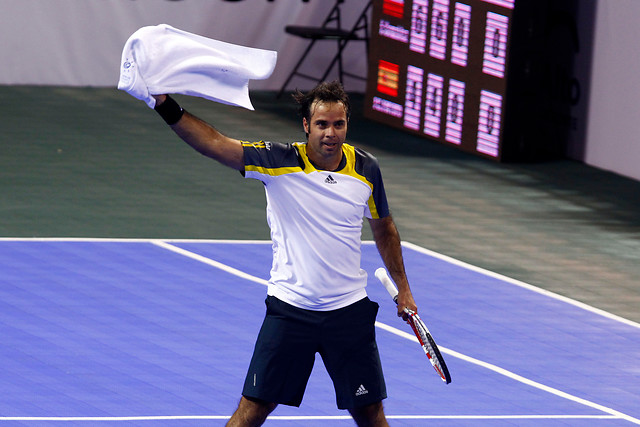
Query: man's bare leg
[251, 412]
[370, 416]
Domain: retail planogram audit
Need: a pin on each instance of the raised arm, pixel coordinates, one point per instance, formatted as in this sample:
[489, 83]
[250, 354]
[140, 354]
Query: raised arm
[387, 240]
[200, 135]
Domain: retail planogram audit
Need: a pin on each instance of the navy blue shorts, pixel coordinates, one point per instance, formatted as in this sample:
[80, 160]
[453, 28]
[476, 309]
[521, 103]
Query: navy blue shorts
[289, 339]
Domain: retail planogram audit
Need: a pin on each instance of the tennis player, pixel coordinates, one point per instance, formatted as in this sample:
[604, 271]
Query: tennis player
[318, 193]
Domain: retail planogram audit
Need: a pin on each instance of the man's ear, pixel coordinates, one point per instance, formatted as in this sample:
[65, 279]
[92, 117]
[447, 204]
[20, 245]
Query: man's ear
[305, 125]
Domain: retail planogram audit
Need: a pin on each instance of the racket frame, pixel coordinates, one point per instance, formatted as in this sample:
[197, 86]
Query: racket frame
[419, 328]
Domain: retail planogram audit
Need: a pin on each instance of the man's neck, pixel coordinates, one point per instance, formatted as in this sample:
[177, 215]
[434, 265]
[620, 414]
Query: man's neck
[327, 164]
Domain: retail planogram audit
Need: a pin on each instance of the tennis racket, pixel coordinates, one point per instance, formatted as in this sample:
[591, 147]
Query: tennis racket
[419, 328]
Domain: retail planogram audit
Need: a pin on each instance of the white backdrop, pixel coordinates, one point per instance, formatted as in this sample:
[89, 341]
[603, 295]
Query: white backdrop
[79, 42]
[613, 130]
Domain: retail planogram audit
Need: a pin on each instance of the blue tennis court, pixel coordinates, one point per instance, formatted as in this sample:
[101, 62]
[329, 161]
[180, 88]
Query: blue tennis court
[158, 333]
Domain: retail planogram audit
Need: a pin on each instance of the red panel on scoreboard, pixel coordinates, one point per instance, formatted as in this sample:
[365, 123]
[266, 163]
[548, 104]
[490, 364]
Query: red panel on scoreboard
[388, 77]
[393, 8]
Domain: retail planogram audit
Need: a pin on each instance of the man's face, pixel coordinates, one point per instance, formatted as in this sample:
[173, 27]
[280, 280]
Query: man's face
[327, 131]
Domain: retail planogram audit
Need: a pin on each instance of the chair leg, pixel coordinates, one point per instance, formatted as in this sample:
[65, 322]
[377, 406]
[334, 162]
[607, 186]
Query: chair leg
[334, 15]
[336, 59]
[361, 24]
[295, 69]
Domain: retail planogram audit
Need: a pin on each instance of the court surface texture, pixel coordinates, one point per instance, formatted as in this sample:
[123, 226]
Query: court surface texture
[132, 274]
[159, 332]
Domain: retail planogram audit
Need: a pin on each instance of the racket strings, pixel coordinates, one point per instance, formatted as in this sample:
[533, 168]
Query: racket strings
[428, 345]
[421, 332]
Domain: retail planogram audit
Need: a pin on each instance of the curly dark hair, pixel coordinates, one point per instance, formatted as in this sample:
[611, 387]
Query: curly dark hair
[324, 92]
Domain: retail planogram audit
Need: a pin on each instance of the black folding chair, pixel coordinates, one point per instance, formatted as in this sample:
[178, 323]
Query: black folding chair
[331, 29]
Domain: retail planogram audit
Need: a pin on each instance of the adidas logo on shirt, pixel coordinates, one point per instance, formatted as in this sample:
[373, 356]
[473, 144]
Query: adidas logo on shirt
[330, 180]
[361, 390]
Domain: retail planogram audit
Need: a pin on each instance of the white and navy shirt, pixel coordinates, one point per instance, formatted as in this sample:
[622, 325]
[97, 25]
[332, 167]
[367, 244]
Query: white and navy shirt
[316, 219]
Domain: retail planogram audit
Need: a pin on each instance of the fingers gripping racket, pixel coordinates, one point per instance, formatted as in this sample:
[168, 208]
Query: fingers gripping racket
[419, 328]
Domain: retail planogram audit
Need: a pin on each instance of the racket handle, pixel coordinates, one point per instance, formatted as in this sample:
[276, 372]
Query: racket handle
[384, 278]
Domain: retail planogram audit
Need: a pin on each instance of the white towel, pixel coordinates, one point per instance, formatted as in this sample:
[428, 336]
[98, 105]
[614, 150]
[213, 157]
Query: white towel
[163, 60]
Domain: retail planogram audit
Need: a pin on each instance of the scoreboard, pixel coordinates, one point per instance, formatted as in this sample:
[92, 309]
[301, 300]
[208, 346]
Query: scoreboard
[474, 74]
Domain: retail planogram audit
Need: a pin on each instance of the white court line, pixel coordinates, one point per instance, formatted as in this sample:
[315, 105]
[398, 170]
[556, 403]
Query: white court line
[521, 284]
[317, 417]
[163, 244]
[129, 240]
[409, 245]
[514, 376]
[411, 337]
[209, 261]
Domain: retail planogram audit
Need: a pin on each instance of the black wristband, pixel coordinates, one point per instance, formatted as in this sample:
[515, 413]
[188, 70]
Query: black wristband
[170, 111]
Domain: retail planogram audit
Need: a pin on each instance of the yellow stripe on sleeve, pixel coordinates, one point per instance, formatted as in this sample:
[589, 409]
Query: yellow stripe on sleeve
[272, 171]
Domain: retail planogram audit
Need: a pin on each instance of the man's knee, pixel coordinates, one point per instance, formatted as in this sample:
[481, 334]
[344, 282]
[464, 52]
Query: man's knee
[251, 412]
[369, 415]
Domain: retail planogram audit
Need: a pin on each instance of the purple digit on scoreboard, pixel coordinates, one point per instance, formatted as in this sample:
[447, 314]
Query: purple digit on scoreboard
[455, 112]
[433, 105]
[439, 25]
[504, 3]
[418, 40]
[460, 42]
[413, 97]
[489, 123]
[495, 45]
